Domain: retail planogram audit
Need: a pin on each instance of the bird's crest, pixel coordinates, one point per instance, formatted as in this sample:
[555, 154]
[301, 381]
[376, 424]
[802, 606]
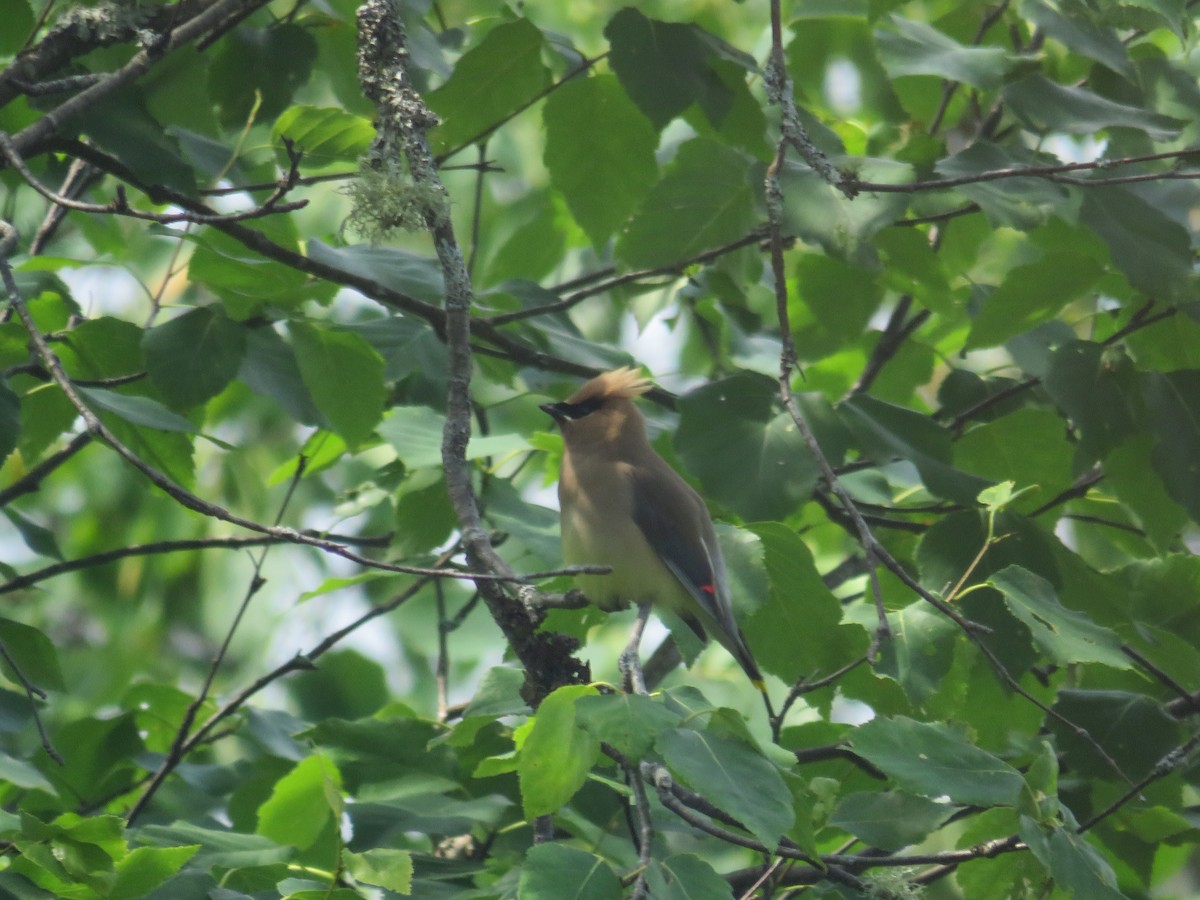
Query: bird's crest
[624, 382]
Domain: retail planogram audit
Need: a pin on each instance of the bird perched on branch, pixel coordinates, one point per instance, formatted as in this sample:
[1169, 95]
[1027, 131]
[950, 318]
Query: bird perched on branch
[624, 507]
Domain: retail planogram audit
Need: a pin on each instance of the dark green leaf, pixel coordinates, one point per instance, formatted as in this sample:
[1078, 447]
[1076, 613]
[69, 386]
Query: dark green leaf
[796, 632]
[34, 654]
[490, 82]
[600, 153]
[686, 876]
[743, 448]
[890, 820]
[137, 410]
[244, 280]
[257, 70]
[914, 48]
[1074, 863]
[556, 871]
[1026, 447]
[1047, 106]
[269, 368]
[397, 269]
[557, 754]
[344, 374]
[37, 537]
[18, 25]
[735, 776]
[705, 199]
[192, 358]
[1065, 635]
[1173, 402]
[665, 67]
[884, 430]
[934, 761]
[1075, 26]
[1096, 388]
[1152, 250]
[10, 420]
[1134, 731]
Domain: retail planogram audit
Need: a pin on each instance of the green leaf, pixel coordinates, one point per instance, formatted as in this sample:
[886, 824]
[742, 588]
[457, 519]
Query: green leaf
[1065, 635]
[934, 761]
[1075, 864]
[1151, 249]
[386, 868]
[136, 410]
[685, 876]
[21, 774]
[630, 722]
[1134, 731]
[325, 133]
[706, 198]
[665, 67]
[18, 25]
[415, 432]
[796, 632]
[399, 270]
[344, 374]
[1135, 481]
[1027, 447]
[1022, 203]
[490, 82]
[10, 420]
[1075, 27]
[1031, 295]
[34, 654]
[885, 430]
[299, 807]
[499, 694]
[890, 820]
[733, 775]
[37, 537]
[557, 754]
[220, 849]
[744, 450]
[915, 48]
[269, 368]
[120, 124]
[1045, 106]
[193, 357]
[257, 70]
[1173, 402]
[1096, 387]
[600, 153]
[244, 280]
[145, 868]
[556, 871]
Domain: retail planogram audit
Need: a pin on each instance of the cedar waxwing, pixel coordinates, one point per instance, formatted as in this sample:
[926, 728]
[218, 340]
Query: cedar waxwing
[624, 507]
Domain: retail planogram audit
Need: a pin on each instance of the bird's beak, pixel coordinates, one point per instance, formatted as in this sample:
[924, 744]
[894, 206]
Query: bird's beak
[556, 411]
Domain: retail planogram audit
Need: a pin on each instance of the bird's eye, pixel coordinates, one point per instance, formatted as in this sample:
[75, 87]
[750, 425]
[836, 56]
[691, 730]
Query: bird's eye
[579, 410]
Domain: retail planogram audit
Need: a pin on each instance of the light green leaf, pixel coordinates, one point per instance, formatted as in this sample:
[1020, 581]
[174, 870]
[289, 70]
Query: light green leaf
[556, 871]
[193, 357]
[934, 761]
[299, 806]
[630, 722]
[325, 133]
[1028, 447]
[1031, 295]
[600, 153]
[733, 775]
[557, 755]
[344, 374]
[705, 199]
[145, 868]
[415, 432]
[386, 868]
[1065, 635]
